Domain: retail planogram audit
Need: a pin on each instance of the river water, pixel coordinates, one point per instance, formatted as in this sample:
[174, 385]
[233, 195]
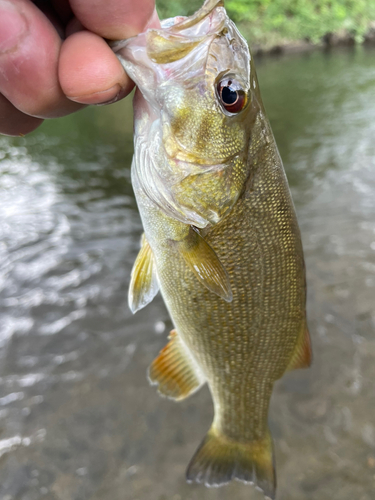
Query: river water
[78, 419]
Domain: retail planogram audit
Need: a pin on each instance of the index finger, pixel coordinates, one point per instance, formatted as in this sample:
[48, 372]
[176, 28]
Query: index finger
[116, 19]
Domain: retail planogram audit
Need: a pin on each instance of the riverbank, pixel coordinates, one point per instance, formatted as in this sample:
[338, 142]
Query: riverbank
[329, 40]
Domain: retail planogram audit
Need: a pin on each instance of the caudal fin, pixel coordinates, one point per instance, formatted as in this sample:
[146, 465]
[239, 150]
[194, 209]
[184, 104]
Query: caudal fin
[219, 459]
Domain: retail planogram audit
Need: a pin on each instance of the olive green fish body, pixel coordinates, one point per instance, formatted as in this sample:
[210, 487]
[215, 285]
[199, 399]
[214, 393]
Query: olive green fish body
[243, 346]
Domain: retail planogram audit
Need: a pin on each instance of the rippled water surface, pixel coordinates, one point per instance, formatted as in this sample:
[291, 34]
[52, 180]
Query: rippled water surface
[78, 419]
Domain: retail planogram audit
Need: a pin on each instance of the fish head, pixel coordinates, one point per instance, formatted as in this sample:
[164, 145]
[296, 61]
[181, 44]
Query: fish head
[195, 113]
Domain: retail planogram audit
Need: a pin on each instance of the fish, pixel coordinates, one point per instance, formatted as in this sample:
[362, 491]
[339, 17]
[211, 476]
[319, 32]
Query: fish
[221, 240]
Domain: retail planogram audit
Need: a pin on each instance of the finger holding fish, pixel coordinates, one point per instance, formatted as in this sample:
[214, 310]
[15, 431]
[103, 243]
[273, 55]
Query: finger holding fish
[89, 73]
[51, 65]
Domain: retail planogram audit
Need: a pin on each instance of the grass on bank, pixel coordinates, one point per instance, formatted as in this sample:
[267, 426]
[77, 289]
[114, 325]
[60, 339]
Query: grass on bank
[267, 23]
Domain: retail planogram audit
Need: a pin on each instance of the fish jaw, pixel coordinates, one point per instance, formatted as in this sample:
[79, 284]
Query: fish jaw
[196, 160]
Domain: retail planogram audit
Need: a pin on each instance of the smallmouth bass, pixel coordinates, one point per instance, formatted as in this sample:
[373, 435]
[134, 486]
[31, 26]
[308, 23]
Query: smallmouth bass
[221, 239]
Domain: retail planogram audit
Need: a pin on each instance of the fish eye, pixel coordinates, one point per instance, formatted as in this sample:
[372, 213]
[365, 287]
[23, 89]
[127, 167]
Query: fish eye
[232, 96]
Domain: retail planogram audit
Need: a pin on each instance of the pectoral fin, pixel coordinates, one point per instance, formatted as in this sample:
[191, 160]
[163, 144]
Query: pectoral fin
[205, 264]
[144, 284]
[174, 370]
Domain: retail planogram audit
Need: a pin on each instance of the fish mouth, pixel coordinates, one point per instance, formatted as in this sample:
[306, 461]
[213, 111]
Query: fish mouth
[171, 31]
[198, 16]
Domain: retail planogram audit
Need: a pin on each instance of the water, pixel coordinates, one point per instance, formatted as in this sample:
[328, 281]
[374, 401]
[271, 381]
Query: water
[78, 419]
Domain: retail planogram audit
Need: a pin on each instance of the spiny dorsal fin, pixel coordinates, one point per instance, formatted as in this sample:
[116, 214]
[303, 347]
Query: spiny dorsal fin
[174, 370]
[144, 284]
[205, 264]
[220, 459]
[302, 355]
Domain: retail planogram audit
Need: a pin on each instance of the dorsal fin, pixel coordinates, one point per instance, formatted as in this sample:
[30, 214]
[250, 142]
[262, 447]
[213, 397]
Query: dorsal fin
[205, 264]
[302, 355]
[174, 370]
[144, 284]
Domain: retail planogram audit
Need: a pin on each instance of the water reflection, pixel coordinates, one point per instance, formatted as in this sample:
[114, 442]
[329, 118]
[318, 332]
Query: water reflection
[77, 416]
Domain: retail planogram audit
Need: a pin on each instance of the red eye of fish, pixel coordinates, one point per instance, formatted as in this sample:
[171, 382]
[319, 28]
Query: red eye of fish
[232, 96]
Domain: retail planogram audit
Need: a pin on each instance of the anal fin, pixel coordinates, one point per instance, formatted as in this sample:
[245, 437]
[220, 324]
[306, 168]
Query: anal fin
[174, 370]
[205, 264]
[144, 284]
[302, 355]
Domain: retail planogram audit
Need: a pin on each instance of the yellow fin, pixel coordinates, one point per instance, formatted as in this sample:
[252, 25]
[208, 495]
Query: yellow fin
[144, 284]
[205, 264]
[219, 459]
[302, 355]
[174, 370]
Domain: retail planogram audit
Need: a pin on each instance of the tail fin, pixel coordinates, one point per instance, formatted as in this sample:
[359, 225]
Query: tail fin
[219, 459]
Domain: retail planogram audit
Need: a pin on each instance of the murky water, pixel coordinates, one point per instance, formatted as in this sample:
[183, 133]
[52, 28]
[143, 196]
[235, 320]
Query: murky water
[78, 419]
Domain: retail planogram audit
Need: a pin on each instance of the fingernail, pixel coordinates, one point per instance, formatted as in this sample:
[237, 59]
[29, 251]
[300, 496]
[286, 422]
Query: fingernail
[12, 26]
[123, 92]
[101, 97]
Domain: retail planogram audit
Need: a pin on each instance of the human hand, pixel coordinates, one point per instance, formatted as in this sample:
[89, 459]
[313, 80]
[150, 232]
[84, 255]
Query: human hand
[54, 59]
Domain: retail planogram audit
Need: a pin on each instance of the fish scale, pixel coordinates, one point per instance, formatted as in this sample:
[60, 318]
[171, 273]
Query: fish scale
[221, 238]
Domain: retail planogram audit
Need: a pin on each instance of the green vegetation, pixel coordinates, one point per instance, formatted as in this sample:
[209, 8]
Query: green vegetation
[267, 23]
